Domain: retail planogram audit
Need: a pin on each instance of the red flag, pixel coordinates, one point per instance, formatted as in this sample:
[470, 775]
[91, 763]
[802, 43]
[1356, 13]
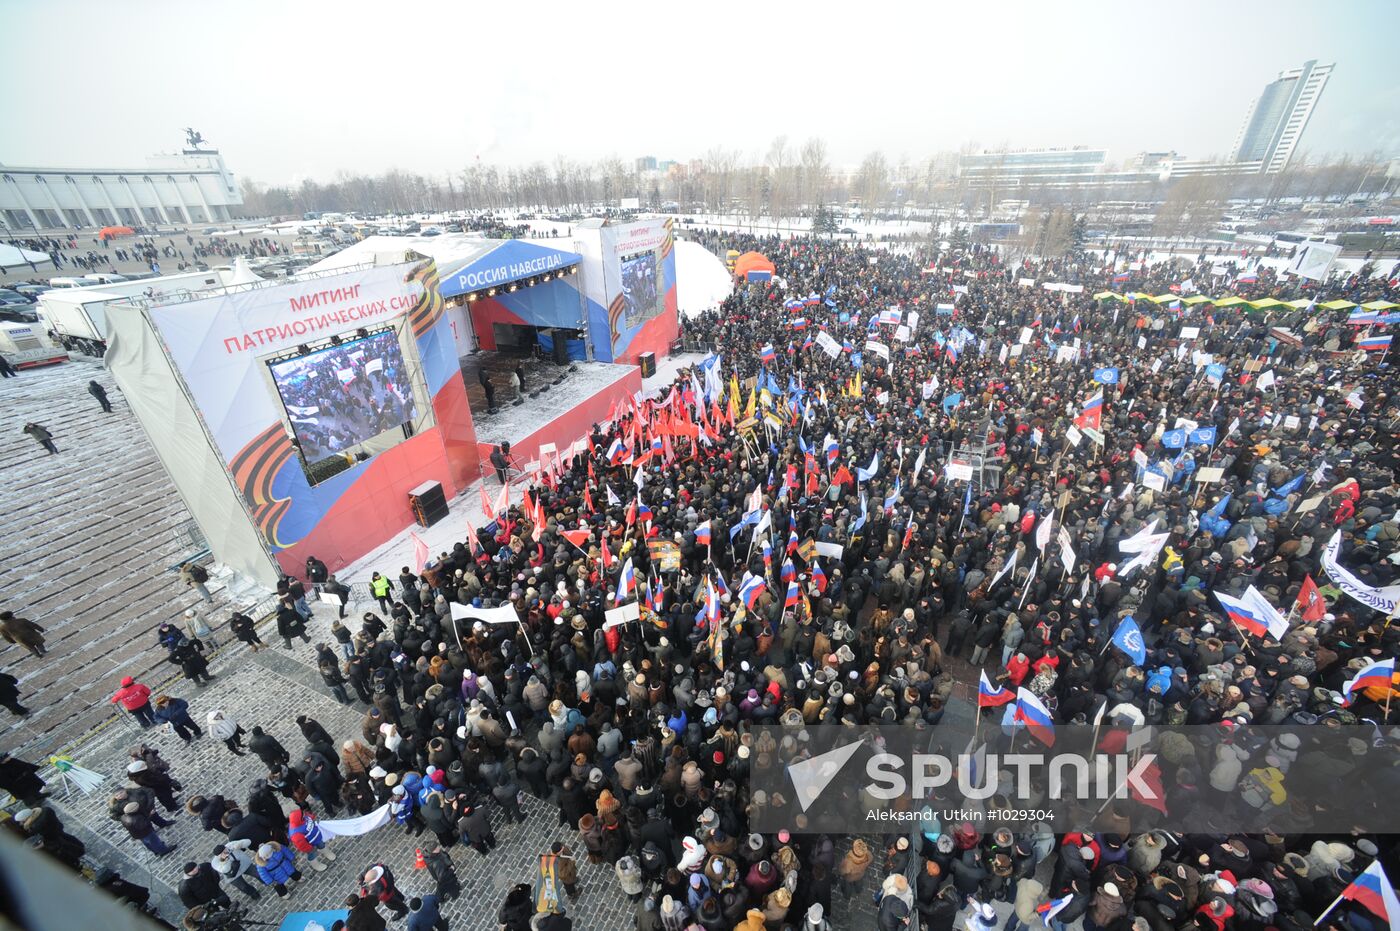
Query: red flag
[1152, 778]
[503, 502]
[486, 503]
[587, 496]
[1310, 603]
[843, 476]
[473, 541]
[632, 513]
[607, 556]
[576, 537]
[420, 552]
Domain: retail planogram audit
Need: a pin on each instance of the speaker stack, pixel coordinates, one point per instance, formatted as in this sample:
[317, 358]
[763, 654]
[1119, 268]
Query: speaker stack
[428, 503]
[647, 361]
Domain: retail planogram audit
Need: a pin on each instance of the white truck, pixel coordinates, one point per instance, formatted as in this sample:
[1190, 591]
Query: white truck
[76, 317]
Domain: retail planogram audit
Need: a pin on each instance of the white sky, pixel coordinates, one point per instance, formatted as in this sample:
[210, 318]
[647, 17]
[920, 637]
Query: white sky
[301, 88]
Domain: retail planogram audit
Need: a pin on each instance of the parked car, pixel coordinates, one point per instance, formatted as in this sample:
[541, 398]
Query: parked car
[10, 298]
[31, 290]
[12, 313]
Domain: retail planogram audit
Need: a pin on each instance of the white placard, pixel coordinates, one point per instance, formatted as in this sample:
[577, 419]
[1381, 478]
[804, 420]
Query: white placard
[1291, 422]
[1016, 350]
[1094, 435]
[1140, 458]
[1026, 334]
[957, 471]
[834, 550]
[828, 345]
[1142, 342]
[879, 349]
[616, 617]
[1154, 481]
[1310, 504]
[327, 598]
[1026, 282]
[1190, 332]
[1073, 435]
[1156, 365]
[1209, 474]
[902, 333]
[1185, 423]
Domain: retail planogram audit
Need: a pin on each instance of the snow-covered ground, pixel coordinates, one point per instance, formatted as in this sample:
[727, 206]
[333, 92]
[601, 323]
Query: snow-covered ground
[702, 281]
[397, 552]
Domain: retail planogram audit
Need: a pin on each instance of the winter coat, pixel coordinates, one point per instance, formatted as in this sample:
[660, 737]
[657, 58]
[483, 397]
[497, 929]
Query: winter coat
[278, 867]
[629, 876]
[856, 862]
[304, 831]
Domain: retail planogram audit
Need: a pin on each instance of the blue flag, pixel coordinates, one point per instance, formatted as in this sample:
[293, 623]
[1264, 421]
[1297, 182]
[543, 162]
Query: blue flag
[1215, 372]
[967, 500]
[1174, 439]
[1205, 436]
[1128, 638]
[1292, 485]
[1106, 376]
[952, 400]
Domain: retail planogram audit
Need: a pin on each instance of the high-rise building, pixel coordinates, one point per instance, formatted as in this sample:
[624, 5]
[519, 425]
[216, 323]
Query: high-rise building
[1276, 122]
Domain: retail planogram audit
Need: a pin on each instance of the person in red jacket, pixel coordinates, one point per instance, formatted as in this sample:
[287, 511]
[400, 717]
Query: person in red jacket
[136, 699]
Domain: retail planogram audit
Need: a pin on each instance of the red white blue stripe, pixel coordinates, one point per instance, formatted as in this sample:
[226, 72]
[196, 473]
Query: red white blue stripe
[1031, 711]
[1379, 673]
[1374, 343]
[626, 581]
[1372, 891]
[991, 696]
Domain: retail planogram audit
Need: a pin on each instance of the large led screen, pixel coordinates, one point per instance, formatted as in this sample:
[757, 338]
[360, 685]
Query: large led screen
[343, 395]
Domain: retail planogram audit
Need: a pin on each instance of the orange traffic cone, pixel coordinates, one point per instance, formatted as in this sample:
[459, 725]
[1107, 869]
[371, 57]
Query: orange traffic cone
[418, 863]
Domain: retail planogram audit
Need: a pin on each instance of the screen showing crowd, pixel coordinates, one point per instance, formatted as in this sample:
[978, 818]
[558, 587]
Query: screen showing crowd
[639, 289]
[343, 395]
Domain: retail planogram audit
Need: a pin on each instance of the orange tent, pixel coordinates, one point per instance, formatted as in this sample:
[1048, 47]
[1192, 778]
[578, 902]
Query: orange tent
[753, 266]
[112, 232]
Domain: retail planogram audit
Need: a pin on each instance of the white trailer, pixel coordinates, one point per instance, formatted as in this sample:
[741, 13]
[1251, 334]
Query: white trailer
[77, 316]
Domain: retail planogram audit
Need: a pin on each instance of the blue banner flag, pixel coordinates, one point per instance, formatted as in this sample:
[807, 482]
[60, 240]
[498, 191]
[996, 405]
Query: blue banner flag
[1128, 638]
[1106, 376]
[1205, 436]
[1174, 439]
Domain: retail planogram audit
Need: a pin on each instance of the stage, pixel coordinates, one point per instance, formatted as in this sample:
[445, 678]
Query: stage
[560, 415]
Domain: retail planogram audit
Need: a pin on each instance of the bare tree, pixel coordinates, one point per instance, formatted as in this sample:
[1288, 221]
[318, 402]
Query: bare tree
[872, 182]
[816, 173]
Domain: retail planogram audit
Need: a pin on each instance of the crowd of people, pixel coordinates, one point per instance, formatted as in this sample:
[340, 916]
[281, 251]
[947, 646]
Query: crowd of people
[702, 505]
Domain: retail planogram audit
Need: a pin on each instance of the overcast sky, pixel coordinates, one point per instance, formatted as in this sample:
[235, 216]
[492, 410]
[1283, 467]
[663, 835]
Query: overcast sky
[295, 89]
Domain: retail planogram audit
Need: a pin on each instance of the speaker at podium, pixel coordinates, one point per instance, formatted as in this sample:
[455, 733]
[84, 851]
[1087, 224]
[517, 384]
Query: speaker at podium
[428, 503]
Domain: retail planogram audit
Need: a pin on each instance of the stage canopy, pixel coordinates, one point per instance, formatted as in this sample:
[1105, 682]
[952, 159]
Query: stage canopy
[465, 263]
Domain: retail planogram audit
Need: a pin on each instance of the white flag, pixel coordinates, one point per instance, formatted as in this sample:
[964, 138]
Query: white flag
[1066, 551]
[1010, 564]
[1266, 381]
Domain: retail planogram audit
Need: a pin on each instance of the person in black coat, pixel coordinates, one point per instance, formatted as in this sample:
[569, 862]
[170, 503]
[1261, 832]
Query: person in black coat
[312, 730]
[201, 887]
[9, 694]
[323, 779]
[242, 627]
[268, 749]
[290, 624]
[251, 827]
[440, 868]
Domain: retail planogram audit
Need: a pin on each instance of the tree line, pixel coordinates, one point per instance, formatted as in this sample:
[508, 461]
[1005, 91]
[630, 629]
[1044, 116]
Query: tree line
[787, 180]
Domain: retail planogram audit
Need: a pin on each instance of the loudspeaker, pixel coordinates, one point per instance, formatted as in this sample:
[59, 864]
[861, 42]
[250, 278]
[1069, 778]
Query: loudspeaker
[561, 349]
[647, 361]
[428, 503]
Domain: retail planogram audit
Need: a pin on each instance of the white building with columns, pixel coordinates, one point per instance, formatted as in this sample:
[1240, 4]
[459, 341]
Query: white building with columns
[192, 187]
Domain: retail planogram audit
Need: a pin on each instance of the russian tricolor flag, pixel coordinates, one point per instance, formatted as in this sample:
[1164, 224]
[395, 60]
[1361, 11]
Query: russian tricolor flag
[626, 582]
[794, 595]
[1378, 673]
[832, 448]
[1048, 910]
[799, 323]
[751, 590]
[702, 534]
[643, 512]
[1252, 613]
[1091, 414]
[615, 451]
[789, 570]
[1031, 712]
[1122, 276]
[766, 353]
[819, 577]
[1374, 343]
[991, 696]
[1372, 891]
[1247, 278]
